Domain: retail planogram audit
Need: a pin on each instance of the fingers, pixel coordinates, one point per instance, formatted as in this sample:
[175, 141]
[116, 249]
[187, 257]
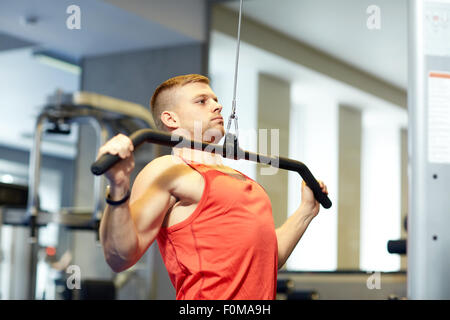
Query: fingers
[119, 145]
[323, 187]
[130, 164]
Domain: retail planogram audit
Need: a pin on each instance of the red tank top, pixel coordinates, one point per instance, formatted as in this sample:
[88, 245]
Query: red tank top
[227, 248]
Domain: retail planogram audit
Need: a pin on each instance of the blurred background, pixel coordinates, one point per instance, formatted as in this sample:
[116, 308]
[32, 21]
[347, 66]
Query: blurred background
[316, 70]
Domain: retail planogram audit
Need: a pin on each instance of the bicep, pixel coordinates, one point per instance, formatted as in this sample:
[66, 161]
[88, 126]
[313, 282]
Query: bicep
[148, 212]
[149, 202]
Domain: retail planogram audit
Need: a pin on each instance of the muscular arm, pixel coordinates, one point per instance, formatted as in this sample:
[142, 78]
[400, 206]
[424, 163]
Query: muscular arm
[126, 231]
[290, 233]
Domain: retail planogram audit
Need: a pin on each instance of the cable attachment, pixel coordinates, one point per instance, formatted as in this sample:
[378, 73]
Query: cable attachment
[234, 117]
[231, 140]
[231, 146]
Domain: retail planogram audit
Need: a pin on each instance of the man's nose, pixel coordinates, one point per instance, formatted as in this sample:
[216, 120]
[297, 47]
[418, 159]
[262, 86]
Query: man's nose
[217, 107]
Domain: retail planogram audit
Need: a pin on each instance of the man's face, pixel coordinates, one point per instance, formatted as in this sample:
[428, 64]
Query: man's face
[199, 112]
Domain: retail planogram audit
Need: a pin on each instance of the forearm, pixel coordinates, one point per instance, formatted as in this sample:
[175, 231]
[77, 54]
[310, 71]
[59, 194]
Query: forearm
[118, 233]
[290, 233]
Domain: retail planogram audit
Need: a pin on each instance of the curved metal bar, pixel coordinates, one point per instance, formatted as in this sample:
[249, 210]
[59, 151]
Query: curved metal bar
[231, 152]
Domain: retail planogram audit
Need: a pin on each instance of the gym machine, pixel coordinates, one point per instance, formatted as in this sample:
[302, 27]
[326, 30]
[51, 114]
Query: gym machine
[107, 116]
[428, 244]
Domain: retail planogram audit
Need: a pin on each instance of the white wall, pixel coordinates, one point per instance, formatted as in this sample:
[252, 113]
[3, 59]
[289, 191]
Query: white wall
[313, 141]
[380, 191]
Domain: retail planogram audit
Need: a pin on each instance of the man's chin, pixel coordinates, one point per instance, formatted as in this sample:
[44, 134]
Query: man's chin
[214, 135]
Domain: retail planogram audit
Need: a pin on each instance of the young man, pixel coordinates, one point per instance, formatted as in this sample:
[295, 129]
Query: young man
[213, 224]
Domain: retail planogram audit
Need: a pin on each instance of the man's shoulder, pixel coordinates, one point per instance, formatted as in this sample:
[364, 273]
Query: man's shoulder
[165, 162]
[162, 168]
[161, 174]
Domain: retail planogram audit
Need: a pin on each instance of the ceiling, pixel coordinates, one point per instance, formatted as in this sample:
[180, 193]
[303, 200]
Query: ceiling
[339, 28]
[105, 27]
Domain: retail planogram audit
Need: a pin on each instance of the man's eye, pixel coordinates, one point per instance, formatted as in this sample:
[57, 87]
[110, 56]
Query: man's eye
[202, 101]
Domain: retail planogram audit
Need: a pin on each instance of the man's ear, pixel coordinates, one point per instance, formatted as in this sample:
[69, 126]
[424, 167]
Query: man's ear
[170, 119]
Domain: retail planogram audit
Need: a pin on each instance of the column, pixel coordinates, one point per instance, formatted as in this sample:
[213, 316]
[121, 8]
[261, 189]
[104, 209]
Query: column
[274, 103]
[349, 182]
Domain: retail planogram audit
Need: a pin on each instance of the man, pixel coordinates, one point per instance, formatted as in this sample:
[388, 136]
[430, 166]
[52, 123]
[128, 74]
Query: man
[213, 224]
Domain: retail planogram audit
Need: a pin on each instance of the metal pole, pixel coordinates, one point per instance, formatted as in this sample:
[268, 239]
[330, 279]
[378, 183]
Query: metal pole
[33, 204]
[99, 188]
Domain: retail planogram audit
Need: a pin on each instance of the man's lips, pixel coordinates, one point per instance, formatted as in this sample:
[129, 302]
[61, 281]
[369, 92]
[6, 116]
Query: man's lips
[217, 118]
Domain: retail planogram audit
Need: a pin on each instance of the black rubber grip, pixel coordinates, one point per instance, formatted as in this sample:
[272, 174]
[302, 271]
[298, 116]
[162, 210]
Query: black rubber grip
[106, 161]
[397, 246]
[311, 182]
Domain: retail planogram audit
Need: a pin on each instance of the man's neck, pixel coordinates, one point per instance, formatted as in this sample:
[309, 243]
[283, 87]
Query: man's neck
[198, 156]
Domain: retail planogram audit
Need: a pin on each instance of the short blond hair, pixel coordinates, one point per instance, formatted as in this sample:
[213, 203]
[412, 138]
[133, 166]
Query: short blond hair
[158, 105]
